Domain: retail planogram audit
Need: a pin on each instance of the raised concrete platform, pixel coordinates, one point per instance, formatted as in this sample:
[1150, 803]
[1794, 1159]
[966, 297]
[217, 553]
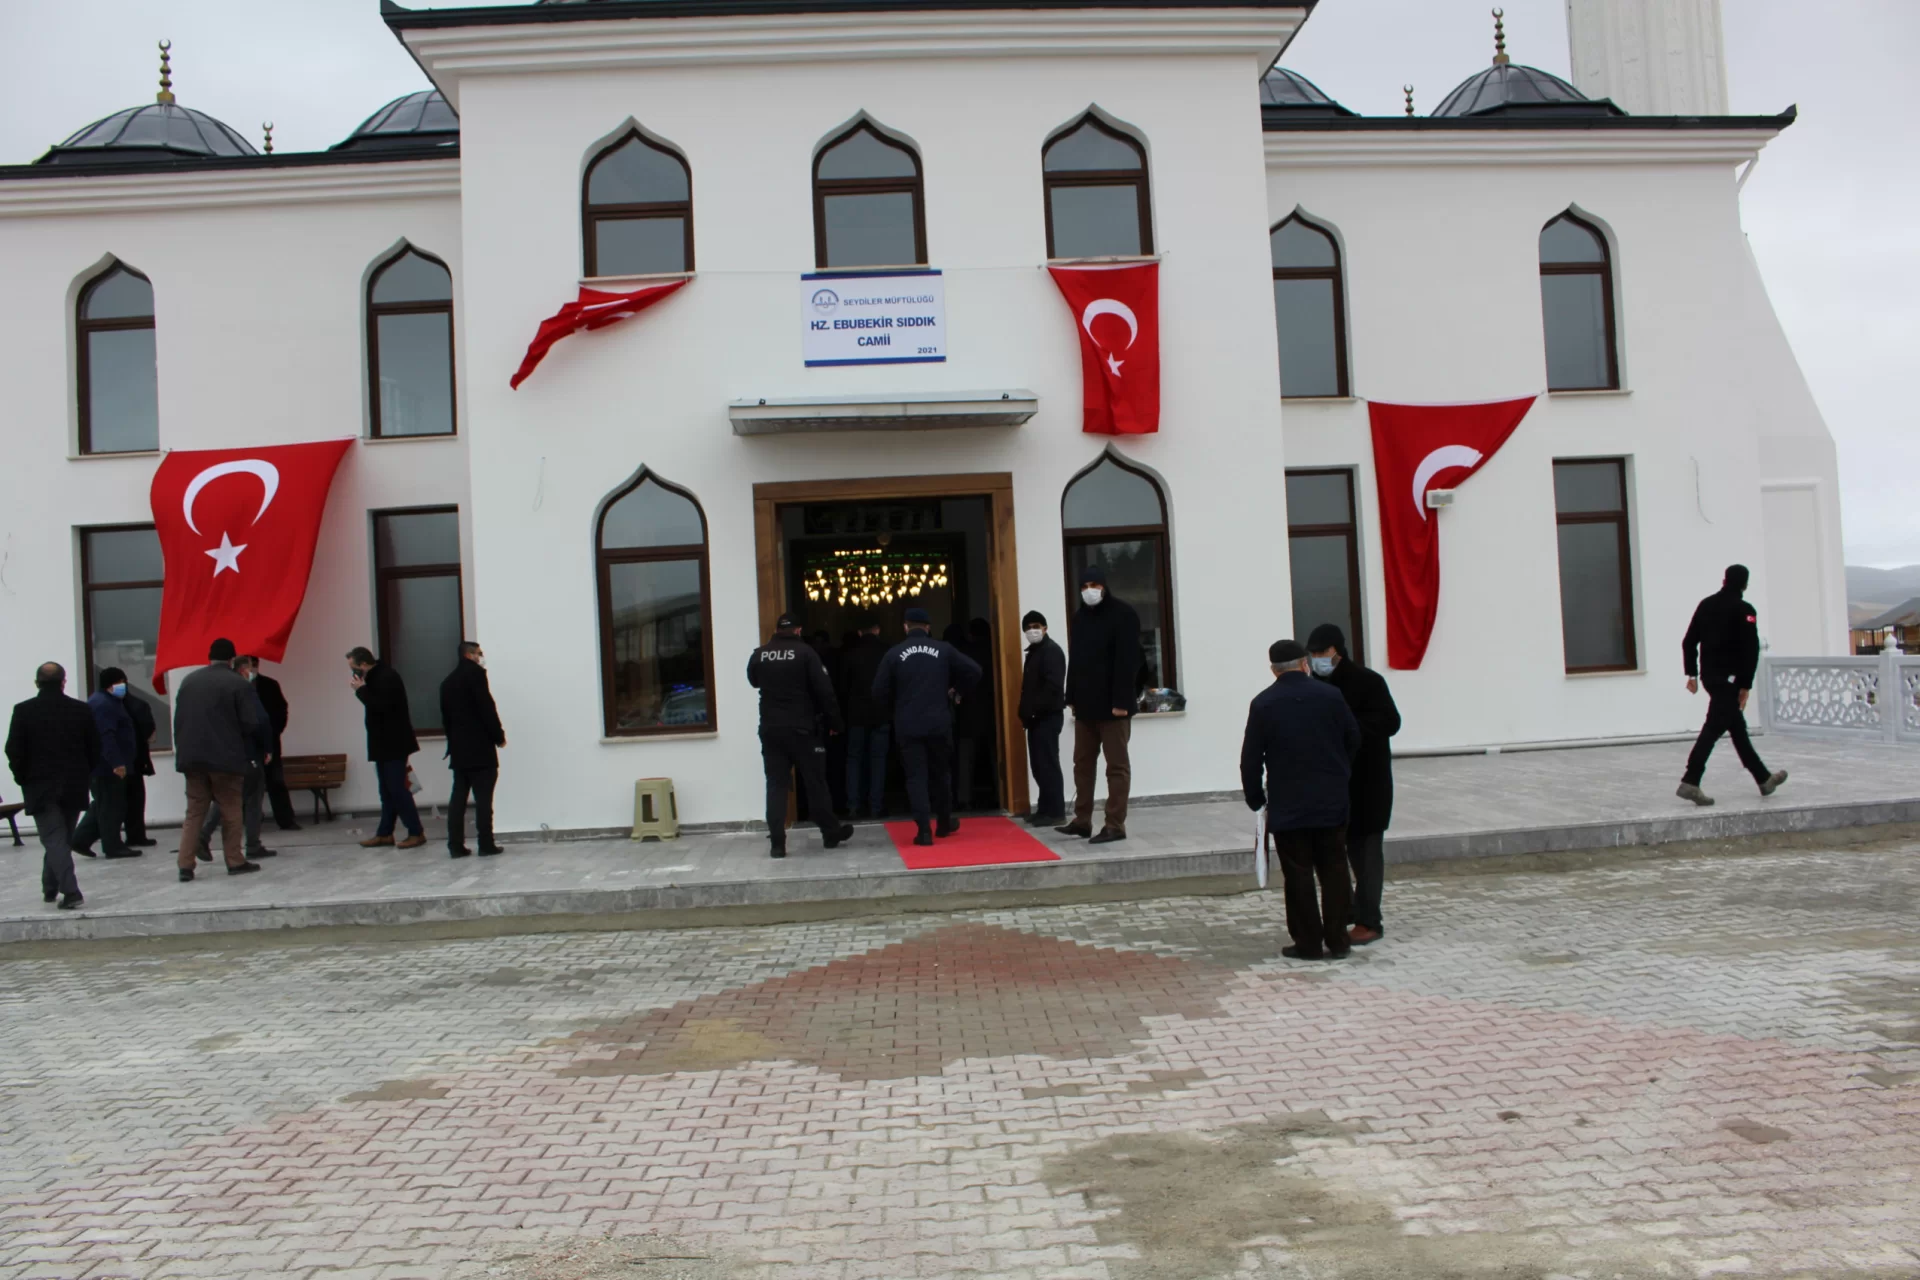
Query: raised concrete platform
[1448, 807]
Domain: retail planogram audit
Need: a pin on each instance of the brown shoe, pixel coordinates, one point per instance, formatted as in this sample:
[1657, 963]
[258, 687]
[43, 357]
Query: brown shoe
[411, 842]
[375, 842]
[1359, 935]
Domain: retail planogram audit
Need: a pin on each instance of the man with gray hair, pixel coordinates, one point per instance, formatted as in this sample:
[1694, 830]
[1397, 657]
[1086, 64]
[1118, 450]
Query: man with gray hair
[1302, 737]
[53, 748]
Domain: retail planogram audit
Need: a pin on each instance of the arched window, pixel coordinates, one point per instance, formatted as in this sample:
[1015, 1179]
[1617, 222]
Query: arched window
[1309, 303]
[410, 346]
[869, 202]
[636, 210]
[119, 391]
[1114, 515]
[656, 618]
[1097, 202]
[1576, 301]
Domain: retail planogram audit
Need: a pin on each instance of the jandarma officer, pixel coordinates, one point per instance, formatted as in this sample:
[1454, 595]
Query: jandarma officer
[919, 677]
[797, 712]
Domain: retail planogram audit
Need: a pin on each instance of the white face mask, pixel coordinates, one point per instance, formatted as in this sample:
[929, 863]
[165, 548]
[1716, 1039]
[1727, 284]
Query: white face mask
[1092, 595]
[118, 691]
[1036, 634]
[482, 660]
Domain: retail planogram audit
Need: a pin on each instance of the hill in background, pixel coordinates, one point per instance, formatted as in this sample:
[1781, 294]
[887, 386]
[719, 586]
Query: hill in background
[1874, 591]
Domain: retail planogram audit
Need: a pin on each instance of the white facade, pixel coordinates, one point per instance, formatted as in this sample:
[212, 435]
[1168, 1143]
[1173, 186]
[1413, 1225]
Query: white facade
[259, 278]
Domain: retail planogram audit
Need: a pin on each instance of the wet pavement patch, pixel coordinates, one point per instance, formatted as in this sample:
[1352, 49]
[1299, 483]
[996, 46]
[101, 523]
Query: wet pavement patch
[1755, 1132]
[915, 1007]
[398, 1091]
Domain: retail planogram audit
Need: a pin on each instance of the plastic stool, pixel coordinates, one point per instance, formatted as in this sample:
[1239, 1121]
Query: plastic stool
[656, 815]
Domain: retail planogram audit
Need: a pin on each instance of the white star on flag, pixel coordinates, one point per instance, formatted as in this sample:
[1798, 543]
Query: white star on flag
[226, 556]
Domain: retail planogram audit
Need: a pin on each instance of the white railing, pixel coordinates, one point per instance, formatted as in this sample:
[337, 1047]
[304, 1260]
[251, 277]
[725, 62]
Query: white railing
[1867, 697]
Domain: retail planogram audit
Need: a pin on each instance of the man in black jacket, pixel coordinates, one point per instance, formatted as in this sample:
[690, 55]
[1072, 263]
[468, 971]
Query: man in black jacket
[1103, 670]
[274, 699]
[253, 786]
[1370, 795]
[1301, 736]
[868, 732]
[107, 815]
[1043, 700]
[1726, 636]
[216, 721]
[796, 700]
[144, 728]
[474, 734]
[918, 678]
[390, 741]
[52, 748]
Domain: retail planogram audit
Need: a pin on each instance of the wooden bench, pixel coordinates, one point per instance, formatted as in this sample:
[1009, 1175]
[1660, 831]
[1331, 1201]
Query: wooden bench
[8, 811]
[318, 774]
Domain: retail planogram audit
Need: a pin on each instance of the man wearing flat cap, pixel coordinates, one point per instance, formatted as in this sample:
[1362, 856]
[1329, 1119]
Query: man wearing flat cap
[1297, 763]
[919, 678]
[797, 712]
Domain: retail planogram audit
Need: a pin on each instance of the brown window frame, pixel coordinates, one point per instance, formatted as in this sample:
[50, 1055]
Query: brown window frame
[88, 586]
[1156, 533]
[83, 330]
[1622, 520]
[1603, 269]
[591, 215]
[382, 575]
[1337, 273]
[376, 310]
[1140, 179]
[1356, 642]
[916, 186]
[603, 562]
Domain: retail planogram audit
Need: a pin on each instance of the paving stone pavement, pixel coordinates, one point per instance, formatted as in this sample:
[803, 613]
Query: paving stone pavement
[1678, 1067]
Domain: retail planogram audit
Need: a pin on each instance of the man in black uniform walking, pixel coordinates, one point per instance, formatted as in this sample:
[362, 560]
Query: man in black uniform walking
[796, 698]
[1726, 635]
[919, 677]
[53, 747]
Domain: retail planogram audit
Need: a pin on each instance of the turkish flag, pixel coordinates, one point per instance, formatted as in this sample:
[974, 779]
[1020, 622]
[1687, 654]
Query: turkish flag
[1117, 311]
[593, 309]
[1417, 447]
[237, 530]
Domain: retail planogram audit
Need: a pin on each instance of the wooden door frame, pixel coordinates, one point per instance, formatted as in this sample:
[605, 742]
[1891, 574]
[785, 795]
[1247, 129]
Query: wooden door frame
[1003, 578]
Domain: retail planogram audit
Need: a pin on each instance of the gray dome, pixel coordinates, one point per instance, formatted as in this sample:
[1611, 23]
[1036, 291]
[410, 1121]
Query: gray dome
[1509, 88]
[155, 132]
[422, 119]
[1283, 88]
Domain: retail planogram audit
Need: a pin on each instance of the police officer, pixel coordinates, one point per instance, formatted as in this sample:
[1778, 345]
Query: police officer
[796, 697]
[1726, 635]
[919, 677]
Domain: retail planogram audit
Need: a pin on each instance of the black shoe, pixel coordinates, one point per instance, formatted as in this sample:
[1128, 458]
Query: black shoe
[288, 826]
[86, 853]
[1295, 953]
[243, 868]
[48, 895]
[203, 853]
[1045, 819]
[123, 853]
[143, 843]
[70, 901]
[1341, 954]
[186, 874]
[778, 851]
[834, 839]
[459, 853]
[947, 827]
[1075, 829]
[1107, 836]
[263, 853]
[489, 850]
[924, 837]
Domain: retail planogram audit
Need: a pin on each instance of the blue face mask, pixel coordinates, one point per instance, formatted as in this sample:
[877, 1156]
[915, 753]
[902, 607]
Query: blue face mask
[1322, 667]
[118, 691]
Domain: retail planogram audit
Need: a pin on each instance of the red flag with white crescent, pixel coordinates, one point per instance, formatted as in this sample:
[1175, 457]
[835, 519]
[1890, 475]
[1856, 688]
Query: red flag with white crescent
[1416, 448]
[1117, 312]
[593, 309]
[237, 532]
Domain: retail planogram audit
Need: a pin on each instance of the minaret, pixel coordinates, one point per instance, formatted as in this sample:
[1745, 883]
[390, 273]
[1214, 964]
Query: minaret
[1652, 57]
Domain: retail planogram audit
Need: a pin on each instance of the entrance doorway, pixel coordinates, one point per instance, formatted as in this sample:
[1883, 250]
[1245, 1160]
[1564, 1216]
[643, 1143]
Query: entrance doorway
[836, 552]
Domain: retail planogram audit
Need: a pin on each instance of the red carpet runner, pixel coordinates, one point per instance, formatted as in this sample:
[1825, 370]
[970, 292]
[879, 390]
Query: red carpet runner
[980, 842]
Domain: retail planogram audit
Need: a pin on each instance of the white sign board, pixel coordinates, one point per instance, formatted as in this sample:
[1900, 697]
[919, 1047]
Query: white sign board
[873, 317]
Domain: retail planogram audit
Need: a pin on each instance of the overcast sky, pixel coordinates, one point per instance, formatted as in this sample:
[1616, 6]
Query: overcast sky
[1829, 209]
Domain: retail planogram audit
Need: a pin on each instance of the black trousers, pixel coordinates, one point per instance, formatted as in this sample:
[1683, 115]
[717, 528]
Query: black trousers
[105, 816]
[928, 763]
[1316, 852]
[1367, 855]
[277, 796]
[480, 783]
[783, 752]
[55, 822]
[1043, 756]
[1723, 716]
[136, 796]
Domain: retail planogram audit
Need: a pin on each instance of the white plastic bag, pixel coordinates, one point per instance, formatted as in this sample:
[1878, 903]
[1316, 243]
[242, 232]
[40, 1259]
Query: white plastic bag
[413, 781]
[1260, 846]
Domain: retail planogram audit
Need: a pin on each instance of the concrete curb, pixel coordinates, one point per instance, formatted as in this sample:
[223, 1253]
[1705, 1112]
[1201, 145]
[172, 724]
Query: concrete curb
[924, 886]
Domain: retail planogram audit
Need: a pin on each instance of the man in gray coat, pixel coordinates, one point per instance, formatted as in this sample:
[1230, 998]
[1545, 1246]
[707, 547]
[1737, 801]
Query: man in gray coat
[216, 719]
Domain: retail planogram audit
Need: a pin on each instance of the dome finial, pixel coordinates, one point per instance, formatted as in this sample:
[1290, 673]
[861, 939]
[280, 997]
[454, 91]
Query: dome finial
[1500, 58]
[1408, 90]
[165, 96]
[268, 127]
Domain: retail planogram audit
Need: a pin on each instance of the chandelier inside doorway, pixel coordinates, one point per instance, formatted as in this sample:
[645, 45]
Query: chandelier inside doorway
[871, 575]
